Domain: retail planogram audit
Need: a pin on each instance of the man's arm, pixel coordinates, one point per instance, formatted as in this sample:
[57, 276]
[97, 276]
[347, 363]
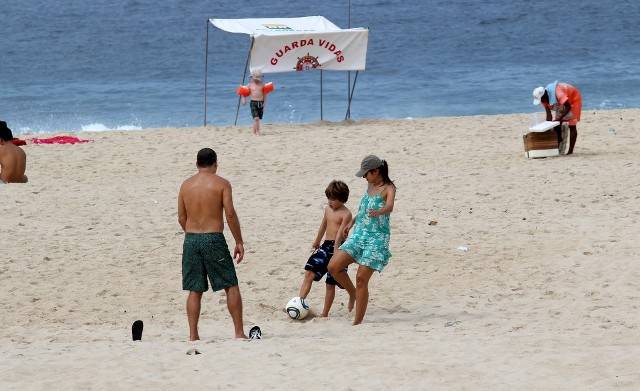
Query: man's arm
[182, 211]
[549, 117]
[233, 222]
[567, 109]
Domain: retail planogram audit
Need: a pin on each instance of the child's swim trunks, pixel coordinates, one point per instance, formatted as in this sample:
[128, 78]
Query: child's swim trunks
[207, 254]
[257, 108]
[319, 260]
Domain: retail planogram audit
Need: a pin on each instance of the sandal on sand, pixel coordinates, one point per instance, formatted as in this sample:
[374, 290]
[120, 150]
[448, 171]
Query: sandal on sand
[255, 333]
[136, 330]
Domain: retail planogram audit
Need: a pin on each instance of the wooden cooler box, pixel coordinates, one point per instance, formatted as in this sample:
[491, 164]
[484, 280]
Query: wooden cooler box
[542, 141]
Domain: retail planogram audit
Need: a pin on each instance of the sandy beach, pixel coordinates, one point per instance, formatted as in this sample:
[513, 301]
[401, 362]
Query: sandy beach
[545, 298]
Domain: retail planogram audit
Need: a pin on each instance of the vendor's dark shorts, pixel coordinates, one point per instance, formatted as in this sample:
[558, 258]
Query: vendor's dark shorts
[207, 254]
[257, 108]
[319, 261]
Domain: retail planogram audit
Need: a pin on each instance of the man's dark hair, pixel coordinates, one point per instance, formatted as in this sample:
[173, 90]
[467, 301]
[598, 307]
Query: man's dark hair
[5, 132]
[337, 190]
[206, 157]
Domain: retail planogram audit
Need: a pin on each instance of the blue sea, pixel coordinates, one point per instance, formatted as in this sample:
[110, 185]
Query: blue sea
[129, 64]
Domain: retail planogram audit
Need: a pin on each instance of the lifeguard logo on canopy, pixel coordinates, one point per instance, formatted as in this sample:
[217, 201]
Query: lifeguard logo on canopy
[306, 63]
[278, 27]
[319, 43]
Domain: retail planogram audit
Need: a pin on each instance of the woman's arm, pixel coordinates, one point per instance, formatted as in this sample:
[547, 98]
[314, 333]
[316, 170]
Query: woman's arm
[389, 195]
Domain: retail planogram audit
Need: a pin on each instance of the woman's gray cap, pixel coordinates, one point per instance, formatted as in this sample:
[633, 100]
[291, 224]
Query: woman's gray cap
[369, 163]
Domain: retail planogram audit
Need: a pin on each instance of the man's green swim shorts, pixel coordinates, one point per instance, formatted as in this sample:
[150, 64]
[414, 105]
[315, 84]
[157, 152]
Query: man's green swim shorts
[207, 254]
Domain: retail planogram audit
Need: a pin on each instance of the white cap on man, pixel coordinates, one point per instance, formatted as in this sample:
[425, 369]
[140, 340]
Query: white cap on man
[538, 93]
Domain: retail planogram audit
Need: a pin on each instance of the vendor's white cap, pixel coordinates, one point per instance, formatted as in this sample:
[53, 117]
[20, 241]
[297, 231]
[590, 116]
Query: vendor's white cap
[538, 92]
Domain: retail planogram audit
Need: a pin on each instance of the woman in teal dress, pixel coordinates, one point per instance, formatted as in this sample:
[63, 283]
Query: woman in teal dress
[368, 244]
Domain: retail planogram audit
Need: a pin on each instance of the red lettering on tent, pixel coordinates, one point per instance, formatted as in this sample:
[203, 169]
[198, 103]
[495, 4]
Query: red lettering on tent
[310, 41]
[280, 53]
[303, 42]
[274, 61]
[332, 47]
[287, 48]
[322, 42]
[294, 45]
[340, 59]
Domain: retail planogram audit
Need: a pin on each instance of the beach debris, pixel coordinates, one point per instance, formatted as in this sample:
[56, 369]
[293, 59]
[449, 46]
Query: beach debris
[433, 222]
[463, 248]
[452, 323]
[612, 131]
[193, 352]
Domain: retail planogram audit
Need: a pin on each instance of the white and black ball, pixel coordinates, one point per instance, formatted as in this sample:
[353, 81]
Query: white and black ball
[297, 308]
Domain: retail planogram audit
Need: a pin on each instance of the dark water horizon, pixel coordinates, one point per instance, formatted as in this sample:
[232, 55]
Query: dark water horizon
[139, 64]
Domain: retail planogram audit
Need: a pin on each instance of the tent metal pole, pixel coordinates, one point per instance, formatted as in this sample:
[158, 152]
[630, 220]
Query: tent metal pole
[348, 115]
[321, 114]
[206, 68]
[349, 72]
[244, 75]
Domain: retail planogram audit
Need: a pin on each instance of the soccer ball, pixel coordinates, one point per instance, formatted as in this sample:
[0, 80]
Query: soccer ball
[297, 308]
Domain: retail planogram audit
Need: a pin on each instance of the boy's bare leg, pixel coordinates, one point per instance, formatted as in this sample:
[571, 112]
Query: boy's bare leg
[305, 288]
[329, 295]
[234, 304]
[362, 292]
[338, 263]
[193, 314]
[256, 126]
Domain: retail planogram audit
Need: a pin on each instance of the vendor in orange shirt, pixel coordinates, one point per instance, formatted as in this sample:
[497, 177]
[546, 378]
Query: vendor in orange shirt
[563, 103]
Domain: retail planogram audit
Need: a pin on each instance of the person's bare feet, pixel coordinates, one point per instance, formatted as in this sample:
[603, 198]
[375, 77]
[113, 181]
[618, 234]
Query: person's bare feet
[241, 336]
[352, 302]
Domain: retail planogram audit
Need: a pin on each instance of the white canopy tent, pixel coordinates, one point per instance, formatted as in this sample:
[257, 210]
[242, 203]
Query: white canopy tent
[296, 44]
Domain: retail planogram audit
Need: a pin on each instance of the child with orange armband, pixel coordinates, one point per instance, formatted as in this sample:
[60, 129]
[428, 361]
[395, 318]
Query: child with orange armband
[257, 90]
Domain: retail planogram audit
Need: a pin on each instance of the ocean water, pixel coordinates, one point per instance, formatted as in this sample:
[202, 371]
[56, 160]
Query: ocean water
[131, 64]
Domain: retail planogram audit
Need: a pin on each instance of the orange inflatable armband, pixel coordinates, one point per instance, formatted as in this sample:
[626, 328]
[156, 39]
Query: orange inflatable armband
[243, 91]
[267, 88]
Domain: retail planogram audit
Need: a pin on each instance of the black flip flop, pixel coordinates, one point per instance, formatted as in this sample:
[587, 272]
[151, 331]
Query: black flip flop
[136, 330]
[255, 333]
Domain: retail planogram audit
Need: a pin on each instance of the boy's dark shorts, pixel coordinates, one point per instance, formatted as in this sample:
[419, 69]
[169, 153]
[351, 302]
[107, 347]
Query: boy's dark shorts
[319, 261]
[257, 108]
[207, 254]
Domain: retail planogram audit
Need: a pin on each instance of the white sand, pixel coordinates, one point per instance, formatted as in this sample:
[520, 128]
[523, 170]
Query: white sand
[546, 298]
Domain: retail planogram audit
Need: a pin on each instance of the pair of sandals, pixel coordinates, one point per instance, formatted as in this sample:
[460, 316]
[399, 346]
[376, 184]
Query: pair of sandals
[138, 326]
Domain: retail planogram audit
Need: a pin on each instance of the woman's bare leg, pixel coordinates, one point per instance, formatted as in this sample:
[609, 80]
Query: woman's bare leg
[362, 292]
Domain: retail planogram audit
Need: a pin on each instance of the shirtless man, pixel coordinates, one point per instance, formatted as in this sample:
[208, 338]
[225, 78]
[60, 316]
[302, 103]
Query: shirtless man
[13, 160]
[201, 202]
[258, 100]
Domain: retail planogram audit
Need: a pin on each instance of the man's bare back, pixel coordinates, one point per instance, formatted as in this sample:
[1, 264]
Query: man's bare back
[201, 200]
[13, 163]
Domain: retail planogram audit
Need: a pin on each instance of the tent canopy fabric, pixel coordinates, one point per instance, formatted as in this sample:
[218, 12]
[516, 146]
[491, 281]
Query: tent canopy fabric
[294, 45]
[300, 44]
[275, 26]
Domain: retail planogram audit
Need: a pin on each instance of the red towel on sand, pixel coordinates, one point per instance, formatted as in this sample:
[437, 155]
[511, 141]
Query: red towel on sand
[18, 142]
[59, 140]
